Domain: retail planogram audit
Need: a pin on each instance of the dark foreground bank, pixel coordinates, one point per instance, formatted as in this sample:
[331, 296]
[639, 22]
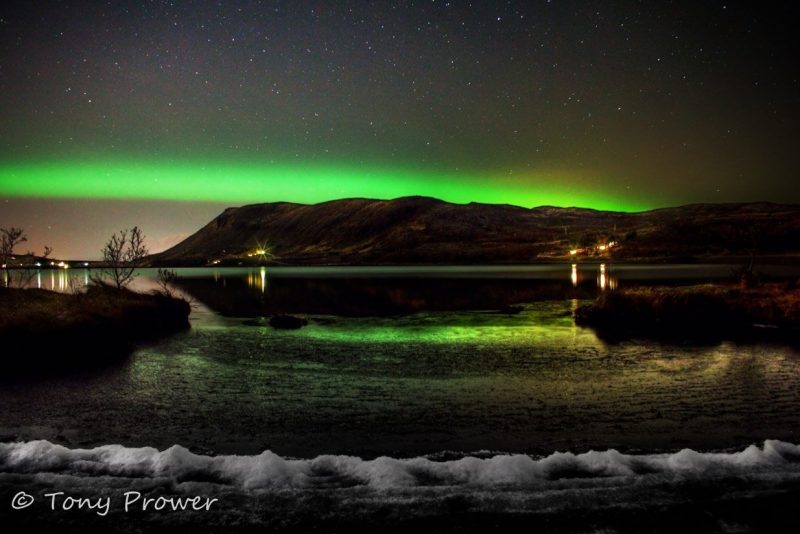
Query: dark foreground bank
[699, 509]
[117, 489]
[45, 330]
[708, 312]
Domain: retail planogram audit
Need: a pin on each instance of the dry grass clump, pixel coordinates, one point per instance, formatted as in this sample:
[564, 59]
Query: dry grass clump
[59, 329]
[708, 310]
[39, 309]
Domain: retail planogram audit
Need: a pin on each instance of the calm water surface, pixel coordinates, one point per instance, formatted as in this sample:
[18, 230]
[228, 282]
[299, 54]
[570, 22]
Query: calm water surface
[427, 380]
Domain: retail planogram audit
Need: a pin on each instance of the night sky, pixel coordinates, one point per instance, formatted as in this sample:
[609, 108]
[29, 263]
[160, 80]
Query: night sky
[162, 113]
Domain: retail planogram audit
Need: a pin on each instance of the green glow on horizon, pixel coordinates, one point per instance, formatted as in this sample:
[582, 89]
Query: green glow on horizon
[250, 183]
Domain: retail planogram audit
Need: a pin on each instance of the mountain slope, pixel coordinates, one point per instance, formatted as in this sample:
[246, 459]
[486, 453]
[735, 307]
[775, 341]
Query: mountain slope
[424, 230]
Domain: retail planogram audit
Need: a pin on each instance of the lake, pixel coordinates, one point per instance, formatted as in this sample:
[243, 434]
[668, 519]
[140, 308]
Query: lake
[409, 388]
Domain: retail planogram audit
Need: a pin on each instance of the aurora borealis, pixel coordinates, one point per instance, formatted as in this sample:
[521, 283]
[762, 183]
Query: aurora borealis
[179, 109]
[241, 182]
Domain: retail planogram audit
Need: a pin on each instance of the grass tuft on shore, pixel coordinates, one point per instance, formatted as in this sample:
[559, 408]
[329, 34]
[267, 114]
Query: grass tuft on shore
[44, 328]
[709, 311]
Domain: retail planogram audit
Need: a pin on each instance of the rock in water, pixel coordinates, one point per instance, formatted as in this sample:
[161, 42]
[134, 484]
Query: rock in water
[287, 322]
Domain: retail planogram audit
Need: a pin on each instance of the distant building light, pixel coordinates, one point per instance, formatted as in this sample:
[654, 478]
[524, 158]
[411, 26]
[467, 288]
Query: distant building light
[602, 247]
[38, 264]
[573, 252]
[86, 264]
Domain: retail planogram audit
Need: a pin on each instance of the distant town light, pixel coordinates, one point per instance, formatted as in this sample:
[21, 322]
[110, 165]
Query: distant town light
[573, 252]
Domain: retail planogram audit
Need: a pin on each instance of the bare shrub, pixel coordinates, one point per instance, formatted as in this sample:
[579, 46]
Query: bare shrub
[121, 255]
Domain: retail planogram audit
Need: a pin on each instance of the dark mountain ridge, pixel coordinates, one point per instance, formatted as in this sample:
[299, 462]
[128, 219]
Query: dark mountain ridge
[422, 230]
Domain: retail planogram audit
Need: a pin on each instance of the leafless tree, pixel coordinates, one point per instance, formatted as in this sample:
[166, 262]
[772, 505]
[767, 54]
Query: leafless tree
[121, 255]
[9, 238]
[166, 279]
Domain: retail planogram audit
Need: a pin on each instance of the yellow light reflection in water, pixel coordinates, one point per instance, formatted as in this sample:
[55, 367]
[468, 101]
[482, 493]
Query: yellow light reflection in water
[60, 280]
[605, 280]
[574, 275]
[263, 279]
[258, 281]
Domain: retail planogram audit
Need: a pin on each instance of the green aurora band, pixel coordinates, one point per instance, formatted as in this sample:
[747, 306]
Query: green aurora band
[239, 183]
